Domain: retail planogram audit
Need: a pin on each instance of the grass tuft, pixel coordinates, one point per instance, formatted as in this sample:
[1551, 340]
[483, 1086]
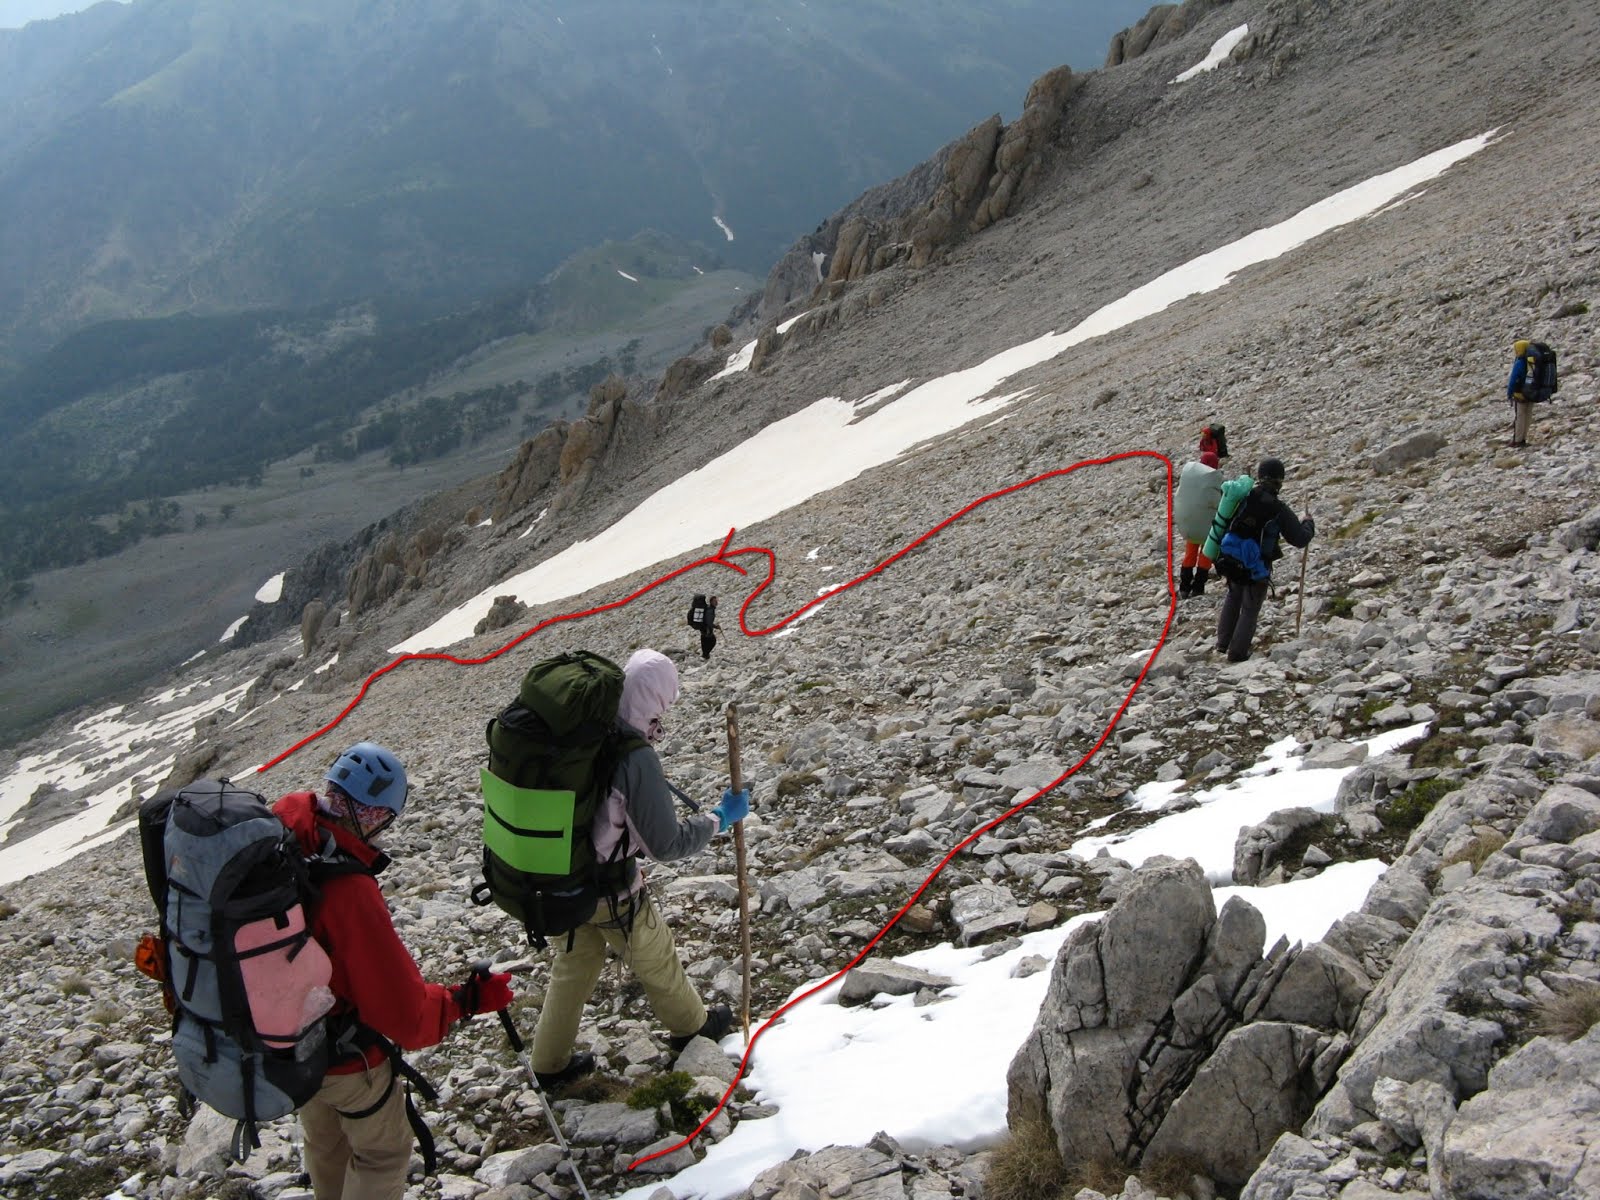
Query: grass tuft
[1026, 1166]
[1569, 1013]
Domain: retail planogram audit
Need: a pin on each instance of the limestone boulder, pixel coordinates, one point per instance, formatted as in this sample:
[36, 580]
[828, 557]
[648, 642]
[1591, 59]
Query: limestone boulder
[1532, 1132]
[1260, 1083]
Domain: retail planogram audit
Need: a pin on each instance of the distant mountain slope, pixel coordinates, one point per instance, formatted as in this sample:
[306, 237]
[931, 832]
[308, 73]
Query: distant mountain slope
[201, 155]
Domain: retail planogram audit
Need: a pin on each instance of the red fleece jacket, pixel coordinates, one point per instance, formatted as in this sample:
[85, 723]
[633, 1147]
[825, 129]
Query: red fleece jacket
[373, 972]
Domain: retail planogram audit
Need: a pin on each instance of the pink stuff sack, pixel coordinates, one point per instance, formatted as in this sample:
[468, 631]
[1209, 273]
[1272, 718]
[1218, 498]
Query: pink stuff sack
[286, 993]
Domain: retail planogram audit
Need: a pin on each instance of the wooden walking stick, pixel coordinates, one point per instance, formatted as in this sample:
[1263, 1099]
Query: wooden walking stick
[1300, 600]
[737, 774]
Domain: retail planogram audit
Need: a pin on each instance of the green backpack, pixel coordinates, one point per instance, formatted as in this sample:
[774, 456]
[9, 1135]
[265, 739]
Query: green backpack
[552, 753]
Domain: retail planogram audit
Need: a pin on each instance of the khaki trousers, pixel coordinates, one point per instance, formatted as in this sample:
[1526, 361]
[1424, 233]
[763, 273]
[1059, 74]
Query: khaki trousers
[357, 1159]
[1521, 420]
[648, 951]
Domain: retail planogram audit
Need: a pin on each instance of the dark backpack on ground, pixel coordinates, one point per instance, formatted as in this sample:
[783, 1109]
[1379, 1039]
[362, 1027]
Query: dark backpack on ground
[1239, 558]
[552, 754]
[247, 981]
[1539, 383]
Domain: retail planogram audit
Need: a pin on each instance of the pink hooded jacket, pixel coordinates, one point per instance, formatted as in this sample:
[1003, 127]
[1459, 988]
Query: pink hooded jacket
[640, 806]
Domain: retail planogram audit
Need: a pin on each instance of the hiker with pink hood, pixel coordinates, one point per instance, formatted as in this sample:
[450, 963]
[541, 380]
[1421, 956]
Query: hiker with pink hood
[637, 818]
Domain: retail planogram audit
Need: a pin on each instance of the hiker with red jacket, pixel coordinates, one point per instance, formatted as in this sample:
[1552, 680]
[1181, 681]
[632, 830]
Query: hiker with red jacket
[1214, 440]
[636, 818]
[357, 1133]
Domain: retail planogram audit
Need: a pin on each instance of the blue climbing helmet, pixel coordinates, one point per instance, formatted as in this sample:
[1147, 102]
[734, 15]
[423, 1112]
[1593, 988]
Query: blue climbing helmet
[370, 776]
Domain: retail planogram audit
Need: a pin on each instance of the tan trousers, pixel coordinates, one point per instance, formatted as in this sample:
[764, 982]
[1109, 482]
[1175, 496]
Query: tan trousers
[648, 951]
[1520, 422]
[363, 1159]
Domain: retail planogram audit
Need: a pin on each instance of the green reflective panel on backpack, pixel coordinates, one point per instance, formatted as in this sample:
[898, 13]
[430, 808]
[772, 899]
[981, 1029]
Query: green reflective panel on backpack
[529, 829]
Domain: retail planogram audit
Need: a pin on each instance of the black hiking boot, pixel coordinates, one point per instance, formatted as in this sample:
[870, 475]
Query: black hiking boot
[577, 1067]
[719, 1019]
[1200, 577]
[1185, 583]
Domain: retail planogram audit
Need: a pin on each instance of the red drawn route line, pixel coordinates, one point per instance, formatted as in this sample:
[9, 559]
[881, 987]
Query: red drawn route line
[724, 558]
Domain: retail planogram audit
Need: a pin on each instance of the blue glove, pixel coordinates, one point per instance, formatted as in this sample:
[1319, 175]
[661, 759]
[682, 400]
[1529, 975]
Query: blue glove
[735, 806]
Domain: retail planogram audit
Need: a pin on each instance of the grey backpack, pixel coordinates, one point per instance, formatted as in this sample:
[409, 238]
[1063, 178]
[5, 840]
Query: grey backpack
[249, 984]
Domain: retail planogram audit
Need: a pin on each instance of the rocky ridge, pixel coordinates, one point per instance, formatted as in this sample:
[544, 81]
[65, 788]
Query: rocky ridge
[908, 713]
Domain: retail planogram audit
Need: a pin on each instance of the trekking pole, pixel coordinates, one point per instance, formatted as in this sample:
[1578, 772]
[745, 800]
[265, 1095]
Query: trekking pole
[481, 971]
[1300, 600]
[737, 775]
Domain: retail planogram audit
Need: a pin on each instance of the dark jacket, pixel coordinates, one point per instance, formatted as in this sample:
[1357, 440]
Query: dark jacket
[374, 974]
[1272, 519]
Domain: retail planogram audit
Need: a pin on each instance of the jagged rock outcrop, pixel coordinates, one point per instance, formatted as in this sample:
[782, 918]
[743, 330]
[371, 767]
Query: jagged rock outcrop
[966, 173]
[809, 263]
[47, 805]
[506, 610]
[683, 375]
[1022, 144]
[311, 619]
[193, 763]
[1164, 23]
[1506, 931]
[530, 472]
[1152, 1035]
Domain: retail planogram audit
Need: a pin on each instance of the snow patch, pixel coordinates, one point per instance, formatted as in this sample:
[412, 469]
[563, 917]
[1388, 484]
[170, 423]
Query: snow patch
[271, 591]
[1220, 49]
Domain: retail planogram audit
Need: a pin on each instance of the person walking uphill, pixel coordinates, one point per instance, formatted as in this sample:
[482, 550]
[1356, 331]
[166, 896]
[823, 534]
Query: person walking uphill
[358, 1136]
[1193, 507]
[636, 817]
[1248, 551]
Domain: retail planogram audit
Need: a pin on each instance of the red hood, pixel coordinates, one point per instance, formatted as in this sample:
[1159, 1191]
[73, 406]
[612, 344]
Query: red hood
[311, 827]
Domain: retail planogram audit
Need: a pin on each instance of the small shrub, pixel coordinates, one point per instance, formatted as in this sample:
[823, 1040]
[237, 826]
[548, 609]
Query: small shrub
[792, 783]
[74, 985]
[822, 845]
[1342, 606]
[1478, 850]
[1101, 1174]
[1356, 526]
[1569, 1013]
[1576, 912]
[105, 1013]
[8, 909]
[1026, 1166]
[808, 684]
[1171, 1174]
[1439, 749]
[672, 1089]
[597, 1089]
[988, 712]
[1403, 813]
[1572, 308]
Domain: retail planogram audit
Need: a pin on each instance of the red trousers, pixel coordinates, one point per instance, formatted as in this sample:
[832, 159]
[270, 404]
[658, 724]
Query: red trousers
[1191, 555]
